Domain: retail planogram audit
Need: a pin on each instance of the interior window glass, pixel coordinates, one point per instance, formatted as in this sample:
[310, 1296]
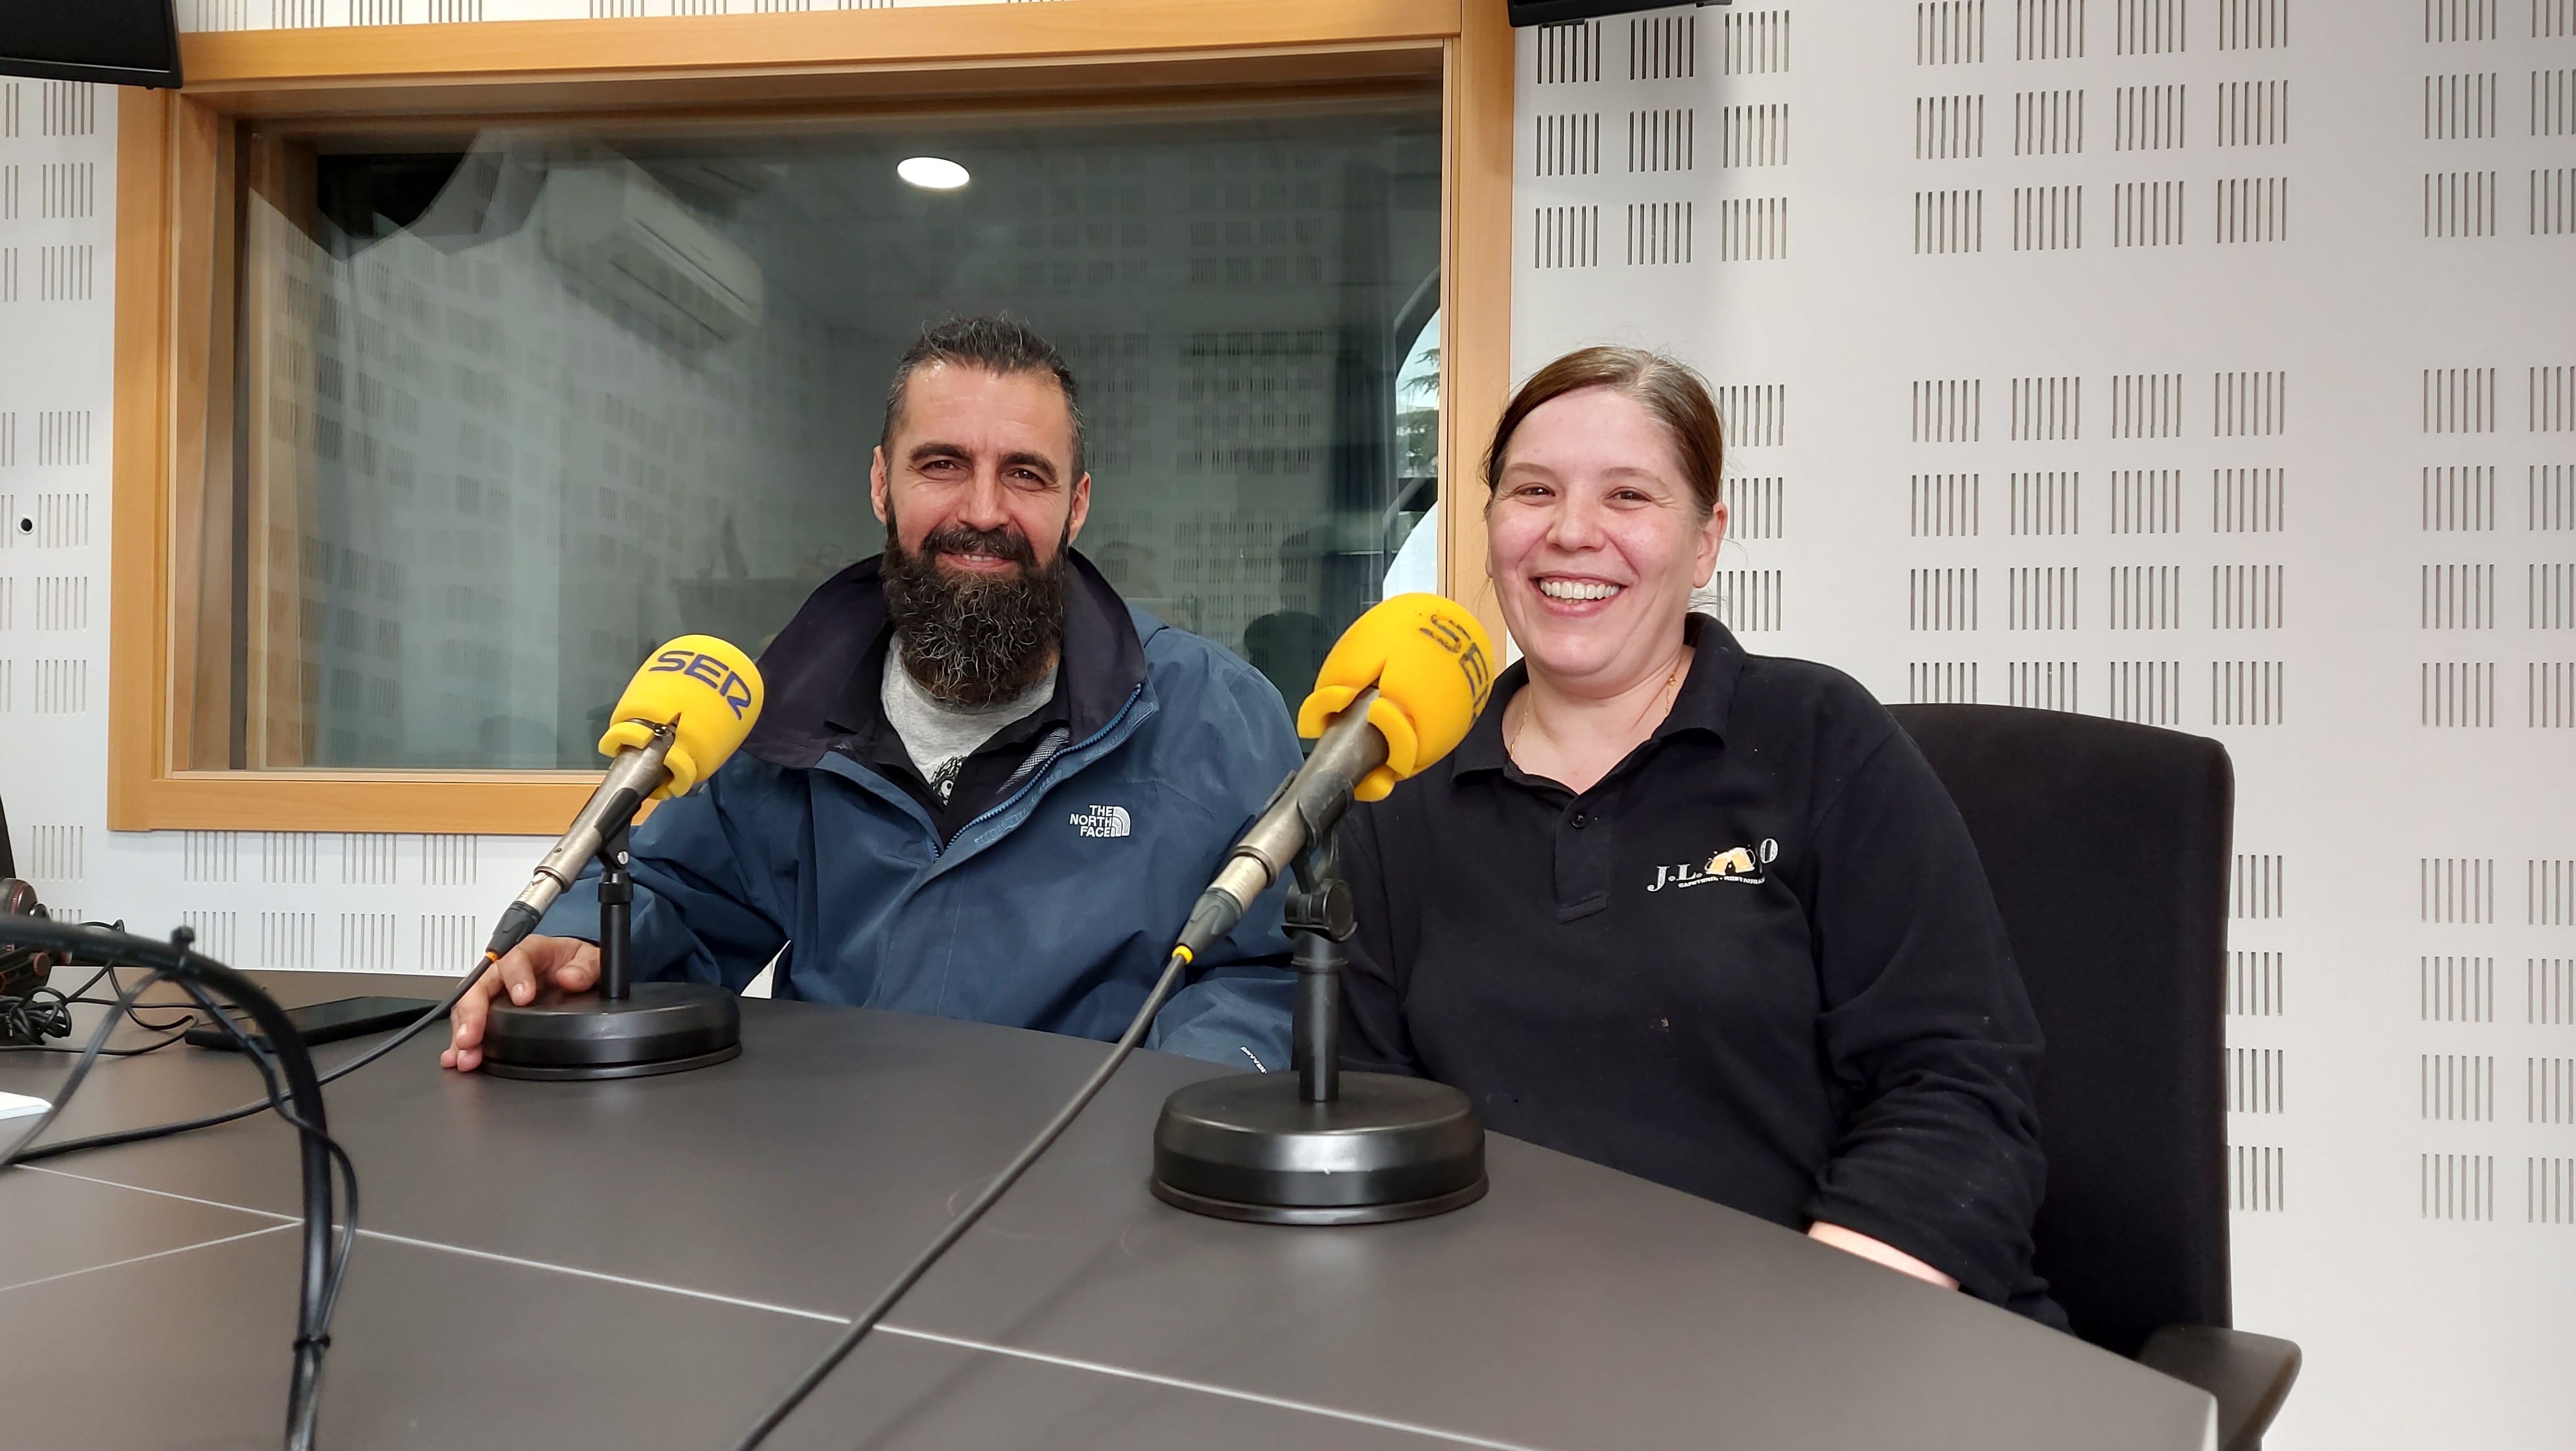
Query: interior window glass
[514, 405]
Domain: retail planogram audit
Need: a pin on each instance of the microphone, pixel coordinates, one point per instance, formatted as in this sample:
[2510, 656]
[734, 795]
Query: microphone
[682, 715]
[1397, 693]
[1312, 1144]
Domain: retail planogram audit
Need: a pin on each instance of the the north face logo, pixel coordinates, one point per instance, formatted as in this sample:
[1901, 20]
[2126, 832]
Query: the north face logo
[1103, 821]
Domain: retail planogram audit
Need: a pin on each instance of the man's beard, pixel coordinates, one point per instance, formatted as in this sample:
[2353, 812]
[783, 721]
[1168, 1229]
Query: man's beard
[974, 641]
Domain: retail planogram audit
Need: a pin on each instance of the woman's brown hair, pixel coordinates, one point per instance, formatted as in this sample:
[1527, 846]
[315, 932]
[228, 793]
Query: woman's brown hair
[1668, 388]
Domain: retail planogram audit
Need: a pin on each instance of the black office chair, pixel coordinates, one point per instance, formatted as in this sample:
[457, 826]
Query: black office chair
[2106, 844]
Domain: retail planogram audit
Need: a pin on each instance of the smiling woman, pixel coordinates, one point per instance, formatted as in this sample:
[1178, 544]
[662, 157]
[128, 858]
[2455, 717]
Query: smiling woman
[1606, 515]
[1700, 915]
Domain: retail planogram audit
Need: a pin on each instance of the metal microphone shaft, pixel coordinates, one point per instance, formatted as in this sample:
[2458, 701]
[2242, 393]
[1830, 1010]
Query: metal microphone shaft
[1305, 809]
[634, 775]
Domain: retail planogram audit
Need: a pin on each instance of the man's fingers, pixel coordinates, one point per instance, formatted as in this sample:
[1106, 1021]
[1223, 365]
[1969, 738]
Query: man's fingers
[577, 972]
[465, 1024]
[518, 978]
[570, 964]
[465, 1031]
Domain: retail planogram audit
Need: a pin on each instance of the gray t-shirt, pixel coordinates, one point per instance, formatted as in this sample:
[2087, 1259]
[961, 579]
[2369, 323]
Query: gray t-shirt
[939, 736]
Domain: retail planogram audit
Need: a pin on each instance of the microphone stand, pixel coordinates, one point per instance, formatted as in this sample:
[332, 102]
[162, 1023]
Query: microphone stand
[1313, 1144]
[1321, 916]
[623, 1028]
[616, 917]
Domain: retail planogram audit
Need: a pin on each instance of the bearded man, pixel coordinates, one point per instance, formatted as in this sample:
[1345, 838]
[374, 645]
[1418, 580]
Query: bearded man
[982, 785]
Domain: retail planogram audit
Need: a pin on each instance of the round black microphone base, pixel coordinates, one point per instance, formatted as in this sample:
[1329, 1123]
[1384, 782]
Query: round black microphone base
[660, 1027]
[1384, 1148]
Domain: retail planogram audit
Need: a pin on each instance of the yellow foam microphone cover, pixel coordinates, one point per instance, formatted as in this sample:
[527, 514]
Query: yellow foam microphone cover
[1433, 667]
[709, 688]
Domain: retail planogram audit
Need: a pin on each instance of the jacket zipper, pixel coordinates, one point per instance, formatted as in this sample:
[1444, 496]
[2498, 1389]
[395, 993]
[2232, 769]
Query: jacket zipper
[939, 849]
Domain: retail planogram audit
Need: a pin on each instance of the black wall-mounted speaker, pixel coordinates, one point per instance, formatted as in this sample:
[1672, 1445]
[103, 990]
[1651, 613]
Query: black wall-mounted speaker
[1557, 12]
[120, 42]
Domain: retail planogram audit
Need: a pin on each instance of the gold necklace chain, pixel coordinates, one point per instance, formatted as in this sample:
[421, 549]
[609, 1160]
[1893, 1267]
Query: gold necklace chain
[1665, 697]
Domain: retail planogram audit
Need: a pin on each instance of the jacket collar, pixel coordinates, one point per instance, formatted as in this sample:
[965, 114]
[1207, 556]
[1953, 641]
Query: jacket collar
[812, 669]
[1707, 692]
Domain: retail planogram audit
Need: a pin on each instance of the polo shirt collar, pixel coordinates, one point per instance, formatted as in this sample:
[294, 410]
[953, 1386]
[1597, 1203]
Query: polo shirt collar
[1708, 690]
[1707, 693]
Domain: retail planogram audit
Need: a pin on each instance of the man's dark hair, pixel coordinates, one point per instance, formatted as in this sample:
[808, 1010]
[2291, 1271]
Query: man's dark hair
[995, 344]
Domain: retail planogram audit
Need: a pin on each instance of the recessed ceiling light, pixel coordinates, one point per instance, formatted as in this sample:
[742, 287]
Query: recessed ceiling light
[931, 173]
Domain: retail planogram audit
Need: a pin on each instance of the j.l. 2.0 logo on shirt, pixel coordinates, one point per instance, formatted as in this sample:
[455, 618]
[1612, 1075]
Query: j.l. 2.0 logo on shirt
[1745, 866]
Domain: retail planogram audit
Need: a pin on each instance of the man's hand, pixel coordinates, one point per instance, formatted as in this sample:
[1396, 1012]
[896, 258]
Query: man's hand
[1854, 1242]
[567, 962]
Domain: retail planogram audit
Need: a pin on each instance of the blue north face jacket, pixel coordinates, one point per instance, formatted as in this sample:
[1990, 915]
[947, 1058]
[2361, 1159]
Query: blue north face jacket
[1055, 909]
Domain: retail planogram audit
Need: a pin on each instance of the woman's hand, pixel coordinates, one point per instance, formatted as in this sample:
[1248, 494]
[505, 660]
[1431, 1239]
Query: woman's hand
[1854, 1242]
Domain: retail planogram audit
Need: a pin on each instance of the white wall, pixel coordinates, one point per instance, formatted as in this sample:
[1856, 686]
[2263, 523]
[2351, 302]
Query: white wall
[292, 899]
[2430, 1315]
[2129, 376]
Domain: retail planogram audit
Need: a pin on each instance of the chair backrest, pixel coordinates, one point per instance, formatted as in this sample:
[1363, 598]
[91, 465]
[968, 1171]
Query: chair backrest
[2107, 847]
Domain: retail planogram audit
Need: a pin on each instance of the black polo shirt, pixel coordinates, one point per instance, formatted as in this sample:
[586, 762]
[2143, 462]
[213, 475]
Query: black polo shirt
[1758, 962]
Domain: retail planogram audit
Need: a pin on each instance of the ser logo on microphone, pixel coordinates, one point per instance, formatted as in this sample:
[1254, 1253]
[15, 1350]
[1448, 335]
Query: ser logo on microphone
[729, 687]
[1470, 656]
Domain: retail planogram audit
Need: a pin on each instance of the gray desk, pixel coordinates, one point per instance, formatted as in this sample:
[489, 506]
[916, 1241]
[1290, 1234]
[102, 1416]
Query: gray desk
[645, 1263]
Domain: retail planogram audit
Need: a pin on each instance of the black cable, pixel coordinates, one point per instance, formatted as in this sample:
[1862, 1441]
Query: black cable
[81, 994]
[177, 1027]
[135, 1052]
[182, 1024]
[71, 1081]
[518, 921]
[43, 1013]
[134, 1015]
[105, 970]
[965, 1220]
[108, 970]
[35, 1020]
[309, 1345]
[320, 1156]
[181, 1126]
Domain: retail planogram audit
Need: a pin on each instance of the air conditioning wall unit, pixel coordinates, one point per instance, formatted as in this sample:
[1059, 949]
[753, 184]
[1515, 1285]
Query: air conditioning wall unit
[613, 226]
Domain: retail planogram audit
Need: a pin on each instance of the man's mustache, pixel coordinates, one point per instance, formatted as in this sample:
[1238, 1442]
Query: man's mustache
[1005, 542]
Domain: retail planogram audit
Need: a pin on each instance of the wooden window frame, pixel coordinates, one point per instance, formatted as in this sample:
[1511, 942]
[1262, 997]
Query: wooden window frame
[175, 303]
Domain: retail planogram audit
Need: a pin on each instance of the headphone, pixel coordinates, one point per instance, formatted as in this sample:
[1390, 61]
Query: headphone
[22, 969]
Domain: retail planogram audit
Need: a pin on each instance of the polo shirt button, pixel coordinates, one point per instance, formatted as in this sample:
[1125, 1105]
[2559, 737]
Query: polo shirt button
[1578, 821]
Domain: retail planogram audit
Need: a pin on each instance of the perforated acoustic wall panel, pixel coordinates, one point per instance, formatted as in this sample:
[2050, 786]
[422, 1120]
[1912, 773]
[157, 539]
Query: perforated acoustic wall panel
[2202, 362]
[289, 900]
[2209, 364]
[361, 901]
